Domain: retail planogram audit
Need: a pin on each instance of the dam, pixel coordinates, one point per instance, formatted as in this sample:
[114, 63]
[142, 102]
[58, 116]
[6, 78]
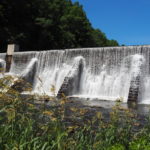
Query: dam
[105, 73]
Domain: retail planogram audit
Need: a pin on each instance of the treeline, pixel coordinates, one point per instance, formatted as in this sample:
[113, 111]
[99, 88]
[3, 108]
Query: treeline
[47, 24]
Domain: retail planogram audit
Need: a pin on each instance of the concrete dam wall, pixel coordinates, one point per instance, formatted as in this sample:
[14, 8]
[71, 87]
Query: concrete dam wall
[106, 73]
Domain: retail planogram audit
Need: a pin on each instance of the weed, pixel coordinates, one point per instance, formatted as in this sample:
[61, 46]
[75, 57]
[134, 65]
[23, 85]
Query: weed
[25, 125]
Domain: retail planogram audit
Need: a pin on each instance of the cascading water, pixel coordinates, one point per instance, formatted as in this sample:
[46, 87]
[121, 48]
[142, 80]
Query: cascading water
[106, 84]
[21, 62]
[107, 72]
[51, 72]
[111, 84]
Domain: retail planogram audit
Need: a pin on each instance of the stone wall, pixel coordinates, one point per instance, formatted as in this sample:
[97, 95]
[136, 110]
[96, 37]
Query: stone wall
[134, 90]
[71, 82]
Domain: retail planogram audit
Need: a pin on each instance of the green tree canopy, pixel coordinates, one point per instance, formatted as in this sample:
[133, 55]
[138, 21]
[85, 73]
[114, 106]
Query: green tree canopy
[48, 24]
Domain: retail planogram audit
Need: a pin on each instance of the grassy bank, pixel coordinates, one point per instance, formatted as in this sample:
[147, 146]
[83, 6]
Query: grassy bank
[26, 126]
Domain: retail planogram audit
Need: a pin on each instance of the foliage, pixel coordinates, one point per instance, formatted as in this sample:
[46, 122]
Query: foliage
[59, 23]
[26, 125]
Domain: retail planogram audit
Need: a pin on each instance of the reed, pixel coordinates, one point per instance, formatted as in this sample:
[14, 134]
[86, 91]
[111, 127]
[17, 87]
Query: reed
[25, 125]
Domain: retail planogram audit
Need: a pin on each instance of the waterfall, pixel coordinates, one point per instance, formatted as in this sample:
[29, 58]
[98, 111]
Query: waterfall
[51, 72]
[107, 73]
[21, 61]
[29, 73]
[71, 83]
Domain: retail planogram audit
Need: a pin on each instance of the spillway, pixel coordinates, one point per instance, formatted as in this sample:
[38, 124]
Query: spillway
[107, 73]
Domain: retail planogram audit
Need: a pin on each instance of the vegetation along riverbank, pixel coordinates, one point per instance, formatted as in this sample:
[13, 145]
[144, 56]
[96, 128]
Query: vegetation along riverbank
[26, 125]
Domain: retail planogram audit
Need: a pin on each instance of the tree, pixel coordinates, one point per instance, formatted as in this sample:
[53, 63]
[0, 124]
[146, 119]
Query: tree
[47, 24]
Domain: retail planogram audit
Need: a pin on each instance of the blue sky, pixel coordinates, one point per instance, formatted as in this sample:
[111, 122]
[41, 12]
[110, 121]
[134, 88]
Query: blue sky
[127, 21]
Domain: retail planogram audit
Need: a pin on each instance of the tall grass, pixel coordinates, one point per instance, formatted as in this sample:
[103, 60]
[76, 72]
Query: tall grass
[25, 125]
